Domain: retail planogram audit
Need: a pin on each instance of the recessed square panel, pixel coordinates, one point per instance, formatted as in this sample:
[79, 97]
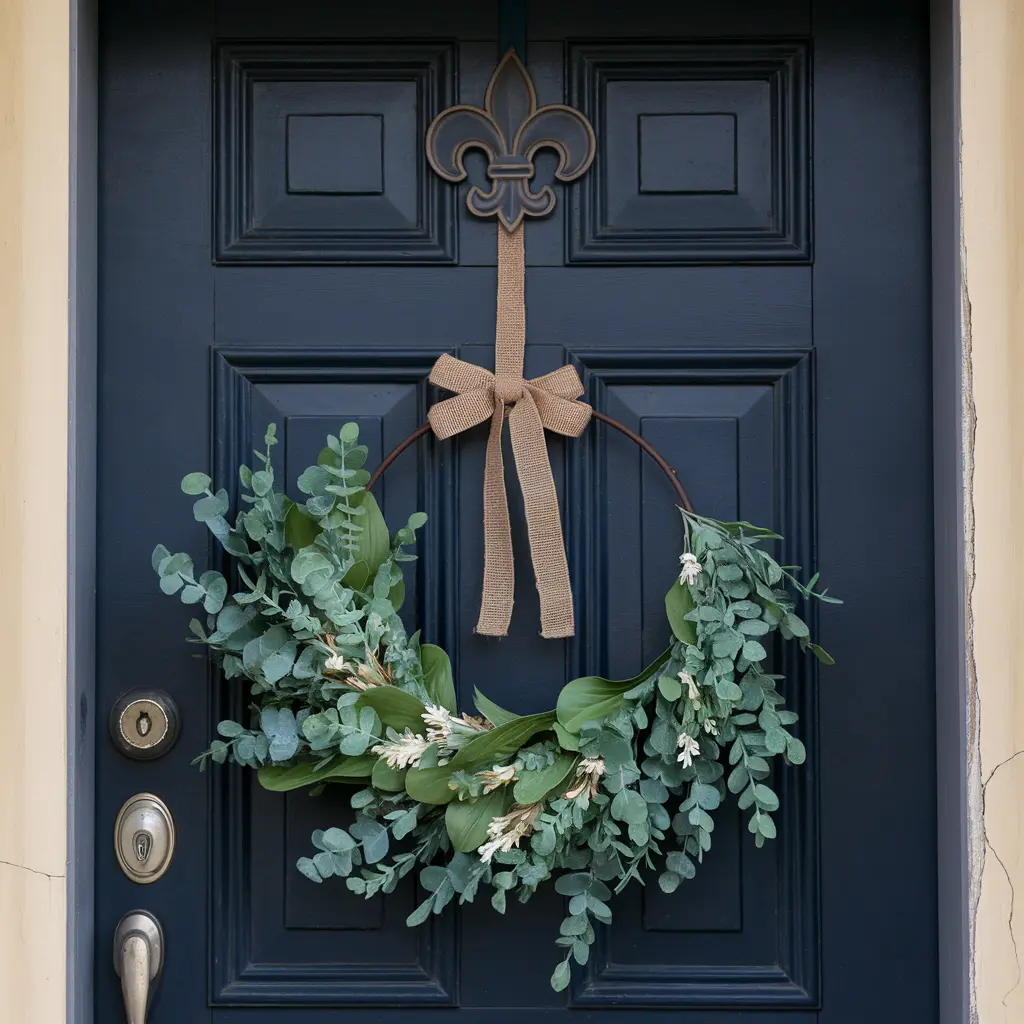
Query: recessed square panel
[702, 153]
[687, 154]
[336, 154]
[320, 153]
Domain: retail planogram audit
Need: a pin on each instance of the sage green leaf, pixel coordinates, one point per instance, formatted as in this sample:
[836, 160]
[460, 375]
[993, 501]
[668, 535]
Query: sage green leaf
[494, 714]
[159, 554]
[593, 699]
[397, 708]
[534, 786]
[796, 625]
[821, 654]
[776, 740]
[670, 688]
[630, 807]
[706, 797]
[573, 884]
[678, 604]
[561, 976]
[192, 594]
[404, 825]
[678, 862]
[211, 506]
[309, 560]
[429, 785]
[350, 769]
[668, 881]
[195, 483]
[795, 751]
[387, 779]
[753, 651]
[728, 690]
[766, 798]
[349, 433]
[437, 676]
[373, 837]
[467, 820]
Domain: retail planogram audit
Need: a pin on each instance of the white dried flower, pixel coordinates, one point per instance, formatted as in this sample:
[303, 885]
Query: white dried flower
[505, 832]
[711, 726]
[336, 663]
[498, 776]
[691, 686]
[689, 748]
[439, 723]
[587, 778]
[402, 751]
[691, 568]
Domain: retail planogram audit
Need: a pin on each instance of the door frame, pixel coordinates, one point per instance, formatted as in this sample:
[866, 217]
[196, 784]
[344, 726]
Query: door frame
[949, 476]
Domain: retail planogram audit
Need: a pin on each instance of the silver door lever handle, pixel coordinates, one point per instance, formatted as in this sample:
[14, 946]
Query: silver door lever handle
[138, 960]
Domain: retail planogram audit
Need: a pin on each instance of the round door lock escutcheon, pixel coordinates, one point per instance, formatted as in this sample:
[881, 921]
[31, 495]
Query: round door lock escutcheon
[144, 838]
[144, 723]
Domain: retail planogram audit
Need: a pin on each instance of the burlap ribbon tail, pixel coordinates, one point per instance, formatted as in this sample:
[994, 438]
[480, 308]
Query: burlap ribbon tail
[546, 402]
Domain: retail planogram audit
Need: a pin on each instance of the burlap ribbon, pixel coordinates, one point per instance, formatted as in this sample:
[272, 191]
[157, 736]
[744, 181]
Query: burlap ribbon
[544, 402]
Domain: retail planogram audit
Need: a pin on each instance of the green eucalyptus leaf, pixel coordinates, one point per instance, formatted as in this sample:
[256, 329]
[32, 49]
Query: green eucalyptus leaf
[195, 483]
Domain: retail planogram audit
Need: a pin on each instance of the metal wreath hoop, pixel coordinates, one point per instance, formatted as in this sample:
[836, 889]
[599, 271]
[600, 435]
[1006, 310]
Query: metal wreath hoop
[673, 476]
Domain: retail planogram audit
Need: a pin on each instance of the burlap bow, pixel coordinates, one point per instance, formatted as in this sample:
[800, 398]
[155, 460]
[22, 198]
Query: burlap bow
[544, 402]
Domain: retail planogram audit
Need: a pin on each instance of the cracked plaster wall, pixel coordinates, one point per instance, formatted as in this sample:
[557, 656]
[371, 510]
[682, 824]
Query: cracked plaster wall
[34, 77]
[992, 119]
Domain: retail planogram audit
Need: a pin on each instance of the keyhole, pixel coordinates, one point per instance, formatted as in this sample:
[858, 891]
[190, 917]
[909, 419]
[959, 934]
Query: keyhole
[143, 843]
[143, 724]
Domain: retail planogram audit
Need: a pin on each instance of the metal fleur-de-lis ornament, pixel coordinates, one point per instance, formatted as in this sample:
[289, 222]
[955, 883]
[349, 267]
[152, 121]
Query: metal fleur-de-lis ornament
[510, 129]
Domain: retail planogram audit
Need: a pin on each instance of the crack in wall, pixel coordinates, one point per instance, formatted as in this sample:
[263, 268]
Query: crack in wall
[32, 871]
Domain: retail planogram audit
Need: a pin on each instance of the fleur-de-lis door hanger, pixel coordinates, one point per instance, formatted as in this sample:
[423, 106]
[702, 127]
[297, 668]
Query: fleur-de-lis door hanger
[510, 129]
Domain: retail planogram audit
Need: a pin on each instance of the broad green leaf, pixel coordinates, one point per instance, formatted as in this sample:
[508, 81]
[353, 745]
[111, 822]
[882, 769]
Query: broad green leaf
[467, 820]
[437, 676]
[300, 529]
[491, 747]
[397, 708]
[534, 786]
[566, 739]
[388, 779]
[593, 699]
[375, 540]
[678, 604]
[429, 785]
[350, 769]
[494, 714]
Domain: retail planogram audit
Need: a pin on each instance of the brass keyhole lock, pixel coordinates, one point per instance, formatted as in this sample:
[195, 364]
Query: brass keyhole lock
[144, 723]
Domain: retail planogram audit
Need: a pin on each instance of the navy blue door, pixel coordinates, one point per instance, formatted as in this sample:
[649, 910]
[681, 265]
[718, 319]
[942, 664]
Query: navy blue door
[741, 277]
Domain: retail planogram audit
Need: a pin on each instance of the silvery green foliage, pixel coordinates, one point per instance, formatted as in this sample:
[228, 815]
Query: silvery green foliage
[622, 779]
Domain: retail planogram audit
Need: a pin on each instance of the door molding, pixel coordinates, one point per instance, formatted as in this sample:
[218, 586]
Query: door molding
[949, 436]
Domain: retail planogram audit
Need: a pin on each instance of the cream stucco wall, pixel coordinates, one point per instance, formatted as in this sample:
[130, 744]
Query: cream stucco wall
[992, 102]
[34, 160]
[34, 61]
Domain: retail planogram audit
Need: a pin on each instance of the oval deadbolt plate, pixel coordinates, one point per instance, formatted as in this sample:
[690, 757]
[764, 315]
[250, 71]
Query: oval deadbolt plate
[144, 723]
[144, 838]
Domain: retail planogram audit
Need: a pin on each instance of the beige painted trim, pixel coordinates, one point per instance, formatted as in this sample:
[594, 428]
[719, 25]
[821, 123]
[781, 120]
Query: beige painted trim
[34, 155]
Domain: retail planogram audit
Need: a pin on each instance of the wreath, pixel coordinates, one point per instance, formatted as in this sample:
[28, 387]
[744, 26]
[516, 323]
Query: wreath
[621, 778]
